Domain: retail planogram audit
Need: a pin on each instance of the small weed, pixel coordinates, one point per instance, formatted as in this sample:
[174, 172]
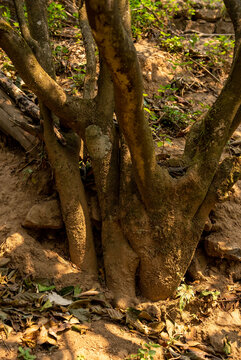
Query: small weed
[78, 78]
[24, 354]
[56, 14]
[219, 49]
[215, 294]
[227, 347]
[5, 13]
[186, 294]
[146, 352]
[171, 43]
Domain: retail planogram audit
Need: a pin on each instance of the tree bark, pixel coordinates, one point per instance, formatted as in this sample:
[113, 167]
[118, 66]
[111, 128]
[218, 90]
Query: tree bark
[64, 160]
[12, 123]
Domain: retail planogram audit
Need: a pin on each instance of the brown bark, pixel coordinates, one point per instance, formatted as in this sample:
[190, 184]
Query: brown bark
[89, 44]
[118, 51]
[51, 94]
[64, 160]
[27, 106]
[12, 123]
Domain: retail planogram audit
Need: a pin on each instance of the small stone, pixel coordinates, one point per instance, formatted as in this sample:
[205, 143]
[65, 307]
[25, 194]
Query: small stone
[208, 225]
[201, 26]
[223, 248]
[45, 215]
[211, 15]
[4, 261]
[198, 265]
[224, 27]
[235, 270]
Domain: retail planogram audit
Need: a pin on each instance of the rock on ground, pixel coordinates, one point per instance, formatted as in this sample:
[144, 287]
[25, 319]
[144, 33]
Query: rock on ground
[225, 241]
[45, 215]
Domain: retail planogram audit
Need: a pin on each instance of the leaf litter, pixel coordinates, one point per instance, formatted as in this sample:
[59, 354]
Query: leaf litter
[42, 313]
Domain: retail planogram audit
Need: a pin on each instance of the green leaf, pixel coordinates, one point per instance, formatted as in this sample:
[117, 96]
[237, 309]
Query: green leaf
[24, 353]
[47, 305]
[227, 347]
[42, 288]
[77, 290]
[66, 290]
[147, 110]
[215, 294]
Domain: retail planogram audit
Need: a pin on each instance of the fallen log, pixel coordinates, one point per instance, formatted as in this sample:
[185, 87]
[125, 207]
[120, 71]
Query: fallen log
[15, 124]
[27, 106]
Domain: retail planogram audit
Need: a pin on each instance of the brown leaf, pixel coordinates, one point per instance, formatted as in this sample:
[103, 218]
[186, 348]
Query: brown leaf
[88, 293]
[115, 314]
[198, 354]
[145, 315]
[4, 261]
[134, 322]
[156, 327]
[42, 336]
[31, 330]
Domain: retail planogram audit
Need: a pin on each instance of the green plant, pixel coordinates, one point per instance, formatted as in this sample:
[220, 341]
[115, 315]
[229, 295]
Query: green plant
[149, 14]
[146, 352]
[78, 78]
[227, 347]
[24, 353]
[186, 294]
[80, 357]
[145, 15]
[60, 51]
[165, 139]
[219, 49]
[56, 14]
[215, 294]
[171, 43]
[5, 13]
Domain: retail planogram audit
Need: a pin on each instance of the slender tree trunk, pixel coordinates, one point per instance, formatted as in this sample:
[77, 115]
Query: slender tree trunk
[64, 159]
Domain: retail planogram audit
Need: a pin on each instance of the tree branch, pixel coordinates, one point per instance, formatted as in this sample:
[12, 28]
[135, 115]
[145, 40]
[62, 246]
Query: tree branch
[234, 10]
[208, 137]
[13, 123]
[23, 25]
[73, 112]
[227, 174]
[89, 44]
[27, 106]
[117, 49]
